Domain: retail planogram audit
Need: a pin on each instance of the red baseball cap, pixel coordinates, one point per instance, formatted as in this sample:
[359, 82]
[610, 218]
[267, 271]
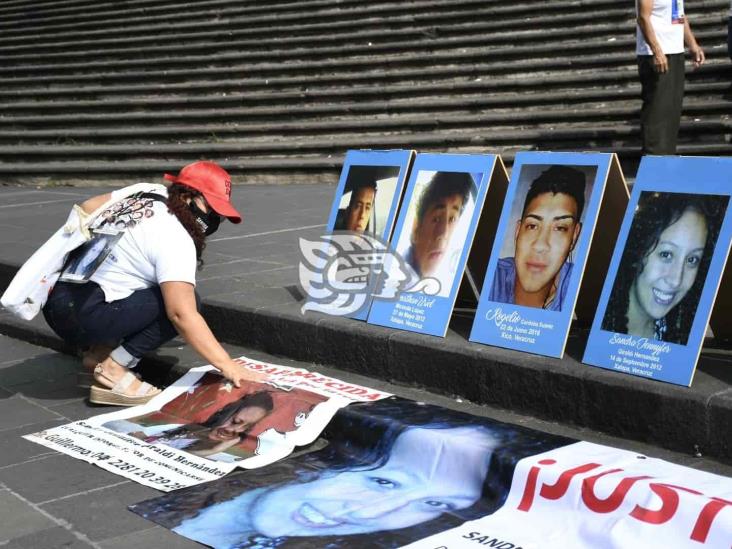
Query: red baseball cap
[213, 182]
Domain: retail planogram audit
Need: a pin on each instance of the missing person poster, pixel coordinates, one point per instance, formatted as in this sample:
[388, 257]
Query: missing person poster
[202, 427]
[365, 207]
[666, 270]
[539, 254]
[394, 471]
[432, 240]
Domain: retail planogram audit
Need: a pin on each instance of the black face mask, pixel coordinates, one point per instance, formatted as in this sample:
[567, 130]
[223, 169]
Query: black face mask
[209, 222]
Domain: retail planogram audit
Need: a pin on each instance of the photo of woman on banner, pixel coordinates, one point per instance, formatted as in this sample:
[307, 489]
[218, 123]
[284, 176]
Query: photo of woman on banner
[535, 266]
[393, 473]
[369, 191]
[664, 265]
[225, 428]
[436, 228]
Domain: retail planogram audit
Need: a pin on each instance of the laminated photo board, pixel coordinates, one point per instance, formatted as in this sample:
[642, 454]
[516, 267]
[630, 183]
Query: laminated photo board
[438, 219]
[560, 211]
[666, 270]
[367, 199]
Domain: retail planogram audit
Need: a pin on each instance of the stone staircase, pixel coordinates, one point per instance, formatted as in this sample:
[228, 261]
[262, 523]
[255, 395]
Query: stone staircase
[98, 91]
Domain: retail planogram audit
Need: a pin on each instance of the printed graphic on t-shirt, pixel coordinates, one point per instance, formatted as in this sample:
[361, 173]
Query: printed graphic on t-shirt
[677, 12]
[128, 212]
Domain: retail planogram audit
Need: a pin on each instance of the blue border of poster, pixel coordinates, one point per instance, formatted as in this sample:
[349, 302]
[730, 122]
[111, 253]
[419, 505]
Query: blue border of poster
[534, 329]
[651, 357]
[427, 312]
[373, 158]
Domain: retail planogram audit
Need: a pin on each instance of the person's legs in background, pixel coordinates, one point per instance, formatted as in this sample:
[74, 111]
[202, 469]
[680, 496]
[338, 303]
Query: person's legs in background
[662, 96]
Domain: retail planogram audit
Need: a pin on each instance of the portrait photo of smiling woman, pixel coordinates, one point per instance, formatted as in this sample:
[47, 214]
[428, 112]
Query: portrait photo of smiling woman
[664, 265]
[535, 265]
[394, 471]
[224, 429]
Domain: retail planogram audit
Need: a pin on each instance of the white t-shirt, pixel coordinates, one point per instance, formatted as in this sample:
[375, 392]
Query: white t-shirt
[667, 20]
[154, 248]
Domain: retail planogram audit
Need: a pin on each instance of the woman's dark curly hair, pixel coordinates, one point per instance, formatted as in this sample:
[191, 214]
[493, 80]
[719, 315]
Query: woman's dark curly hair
[654, 213]
[177, 195]
[361, 437]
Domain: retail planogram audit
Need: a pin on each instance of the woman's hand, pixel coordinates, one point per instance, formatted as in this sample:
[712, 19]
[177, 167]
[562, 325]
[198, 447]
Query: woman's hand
[180, 304]
[236, 373]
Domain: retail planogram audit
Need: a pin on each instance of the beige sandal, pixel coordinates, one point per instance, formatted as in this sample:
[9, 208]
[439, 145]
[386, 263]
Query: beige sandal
[118, 395]
[89, 361]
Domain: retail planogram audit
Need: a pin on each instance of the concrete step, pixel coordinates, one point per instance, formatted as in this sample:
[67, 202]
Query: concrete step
[300, 15]
[584, 27]
[582, 54]
[379, 69]
[701, 116]
[403, 28]
[620, 138]
[438, 78]
[224, 132]
[287, 107]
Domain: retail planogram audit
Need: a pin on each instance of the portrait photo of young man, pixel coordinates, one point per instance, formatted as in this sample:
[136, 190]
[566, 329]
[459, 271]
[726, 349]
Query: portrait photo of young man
[535, 266]
[359, 210]
[435, 234]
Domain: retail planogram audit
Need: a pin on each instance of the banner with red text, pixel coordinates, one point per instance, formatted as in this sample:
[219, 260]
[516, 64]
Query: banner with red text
[591, 496]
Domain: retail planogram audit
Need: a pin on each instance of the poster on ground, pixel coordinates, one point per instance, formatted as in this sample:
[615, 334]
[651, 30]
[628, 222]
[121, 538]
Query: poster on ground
[433, 238]
[394, 471]
[542, 244]
[202, 427]
[398, 473]
[666, 270]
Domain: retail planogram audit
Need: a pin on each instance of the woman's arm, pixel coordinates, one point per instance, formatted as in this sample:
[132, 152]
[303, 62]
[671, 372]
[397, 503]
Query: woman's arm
[94, 202]
[645, 8]
[180, 306]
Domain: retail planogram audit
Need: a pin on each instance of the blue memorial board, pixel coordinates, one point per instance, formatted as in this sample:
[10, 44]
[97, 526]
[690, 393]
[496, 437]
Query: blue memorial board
[367, 199]
[666, 270]
[539, 254]
[433, 237]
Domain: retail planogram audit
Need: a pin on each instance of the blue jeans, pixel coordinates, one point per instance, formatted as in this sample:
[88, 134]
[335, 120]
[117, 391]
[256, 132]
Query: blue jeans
[135, 325]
